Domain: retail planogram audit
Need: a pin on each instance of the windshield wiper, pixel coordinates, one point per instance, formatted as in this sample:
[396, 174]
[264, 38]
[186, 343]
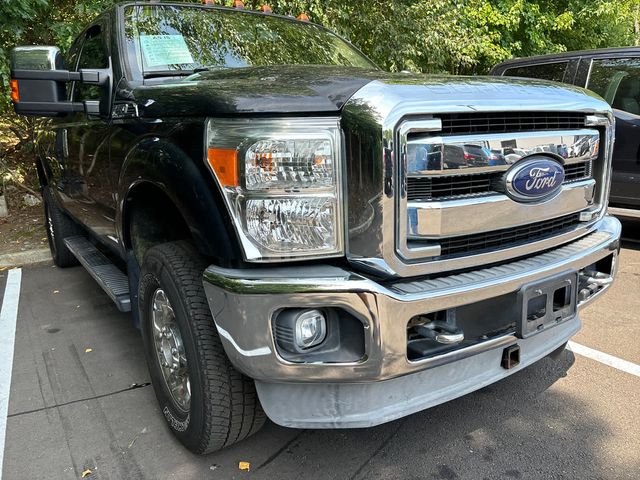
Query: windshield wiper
[182, 73]
[168, 73]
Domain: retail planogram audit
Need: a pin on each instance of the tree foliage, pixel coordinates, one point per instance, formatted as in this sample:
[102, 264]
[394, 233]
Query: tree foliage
[432, 36]
[470, 36]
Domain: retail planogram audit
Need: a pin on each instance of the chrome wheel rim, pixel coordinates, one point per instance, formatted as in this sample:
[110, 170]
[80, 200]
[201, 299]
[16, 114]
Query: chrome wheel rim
[169, 349]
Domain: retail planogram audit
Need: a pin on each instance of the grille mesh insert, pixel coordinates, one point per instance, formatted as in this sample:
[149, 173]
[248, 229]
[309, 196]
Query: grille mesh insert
[508, 237]
[499, 122]
[577, 171]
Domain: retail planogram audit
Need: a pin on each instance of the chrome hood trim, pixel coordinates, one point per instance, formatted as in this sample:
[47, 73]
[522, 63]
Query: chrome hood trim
[397, 96]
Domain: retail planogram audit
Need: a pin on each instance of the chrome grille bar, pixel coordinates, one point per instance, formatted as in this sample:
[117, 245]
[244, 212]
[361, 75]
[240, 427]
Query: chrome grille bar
[451, 187]
[439, 220]
[431, 155]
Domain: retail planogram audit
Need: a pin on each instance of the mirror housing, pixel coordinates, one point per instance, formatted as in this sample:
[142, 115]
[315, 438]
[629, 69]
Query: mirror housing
[36, 58]
[38, 83]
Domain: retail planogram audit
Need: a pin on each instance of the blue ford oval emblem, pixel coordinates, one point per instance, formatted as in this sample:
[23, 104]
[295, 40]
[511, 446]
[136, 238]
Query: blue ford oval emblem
[536, 178]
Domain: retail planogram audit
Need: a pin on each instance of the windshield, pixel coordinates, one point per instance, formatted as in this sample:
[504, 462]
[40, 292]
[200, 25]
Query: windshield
[181, 39]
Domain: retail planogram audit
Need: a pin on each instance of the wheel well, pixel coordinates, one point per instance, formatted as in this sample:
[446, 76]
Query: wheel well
[151, 218]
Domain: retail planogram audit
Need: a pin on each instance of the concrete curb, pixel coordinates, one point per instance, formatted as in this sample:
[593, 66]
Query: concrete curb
[20, 259]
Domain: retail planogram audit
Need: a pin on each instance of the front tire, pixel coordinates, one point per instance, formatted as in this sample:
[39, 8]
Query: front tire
[207, 404]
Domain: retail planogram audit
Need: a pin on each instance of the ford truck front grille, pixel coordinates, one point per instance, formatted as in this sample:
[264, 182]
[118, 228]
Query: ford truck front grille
[454, 199]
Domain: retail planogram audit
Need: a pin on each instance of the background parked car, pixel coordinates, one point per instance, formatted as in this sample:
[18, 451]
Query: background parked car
[614, 74]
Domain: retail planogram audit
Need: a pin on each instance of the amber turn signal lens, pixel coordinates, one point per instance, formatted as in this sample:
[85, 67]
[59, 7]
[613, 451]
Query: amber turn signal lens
[224, 163]
[15, 96]
[302, 17]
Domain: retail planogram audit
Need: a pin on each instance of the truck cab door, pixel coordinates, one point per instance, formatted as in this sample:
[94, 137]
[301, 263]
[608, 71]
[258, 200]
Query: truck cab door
[85, 187]
[617, 80]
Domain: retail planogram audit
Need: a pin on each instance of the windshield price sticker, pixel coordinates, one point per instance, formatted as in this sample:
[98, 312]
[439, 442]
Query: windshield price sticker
[164, 50]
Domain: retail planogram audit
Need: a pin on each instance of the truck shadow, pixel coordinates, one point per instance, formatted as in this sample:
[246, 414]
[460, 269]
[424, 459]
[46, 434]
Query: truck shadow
[520, 427]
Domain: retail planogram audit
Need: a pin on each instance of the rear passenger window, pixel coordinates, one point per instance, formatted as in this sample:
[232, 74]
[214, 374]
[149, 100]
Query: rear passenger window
[546, 71]
[617, 80]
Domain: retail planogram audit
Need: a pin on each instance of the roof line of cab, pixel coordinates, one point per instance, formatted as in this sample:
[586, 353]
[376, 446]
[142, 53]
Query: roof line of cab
[209, 6]
[574, 53]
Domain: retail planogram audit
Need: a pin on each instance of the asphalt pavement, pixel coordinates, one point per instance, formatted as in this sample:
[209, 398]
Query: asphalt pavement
[80, 401]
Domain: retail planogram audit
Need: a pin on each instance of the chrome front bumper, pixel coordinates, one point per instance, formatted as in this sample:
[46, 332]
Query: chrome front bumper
[384, 385]
[243, 303]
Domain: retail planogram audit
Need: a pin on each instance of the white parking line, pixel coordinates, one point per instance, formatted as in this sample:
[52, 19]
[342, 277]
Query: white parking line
[8, 316]
[605, 358]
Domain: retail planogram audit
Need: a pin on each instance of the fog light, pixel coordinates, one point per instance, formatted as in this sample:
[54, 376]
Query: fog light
[318, 335]
[311, 329]
[299, 330]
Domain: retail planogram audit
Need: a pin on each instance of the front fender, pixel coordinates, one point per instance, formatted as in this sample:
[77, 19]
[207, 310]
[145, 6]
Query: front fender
[176, 166]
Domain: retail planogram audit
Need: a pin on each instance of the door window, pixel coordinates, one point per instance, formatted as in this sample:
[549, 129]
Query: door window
[546, 71]
[617, 80]
[93, 55]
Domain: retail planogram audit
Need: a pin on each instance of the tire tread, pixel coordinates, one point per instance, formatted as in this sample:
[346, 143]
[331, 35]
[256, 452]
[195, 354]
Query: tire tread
[232, 410]
[64, 227]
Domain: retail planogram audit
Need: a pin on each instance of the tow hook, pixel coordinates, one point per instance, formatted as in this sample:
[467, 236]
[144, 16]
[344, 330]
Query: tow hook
[591, 282]
[441, 332]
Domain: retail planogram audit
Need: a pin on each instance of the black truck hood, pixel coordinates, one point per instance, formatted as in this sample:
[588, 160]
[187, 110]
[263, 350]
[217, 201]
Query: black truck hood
[304, 89]
[284, 89]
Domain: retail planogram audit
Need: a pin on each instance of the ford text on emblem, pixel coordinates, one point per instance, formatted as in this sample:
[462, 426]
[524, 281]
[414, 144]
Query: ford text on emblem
[534, 179]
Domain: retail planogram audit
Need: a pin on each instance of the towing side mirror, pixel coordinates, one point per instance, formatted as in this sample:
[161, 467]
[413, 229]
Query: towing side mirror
[38, 83]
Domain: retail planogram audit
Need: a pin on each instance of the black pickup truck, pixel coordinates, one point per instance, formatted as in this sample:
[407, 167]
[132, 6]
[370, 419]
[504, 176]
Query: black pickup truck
[614, 74]
[301, 234]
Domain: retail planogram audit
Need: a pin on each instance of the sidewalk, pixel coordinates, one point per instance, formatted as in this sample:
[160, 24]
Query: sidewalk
[21, 259]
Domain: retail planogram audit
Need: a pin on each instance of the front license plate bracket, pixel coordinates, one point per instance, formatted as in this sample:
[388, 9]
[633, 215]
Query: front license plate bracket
[547, 303]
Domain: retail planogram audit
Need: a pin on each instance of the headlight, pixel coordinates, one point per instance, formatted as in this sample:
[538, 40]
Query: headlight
[293, 163]
[281, 182]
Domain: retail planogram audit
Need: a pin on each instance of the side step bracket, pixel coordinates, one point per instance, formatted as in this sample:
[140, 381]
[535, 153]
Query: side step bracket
[113, 281]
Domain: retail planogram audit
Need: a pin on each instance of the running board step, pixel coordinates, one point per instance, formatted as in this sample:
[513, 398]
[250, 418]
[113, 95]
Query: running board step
[109, 277]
